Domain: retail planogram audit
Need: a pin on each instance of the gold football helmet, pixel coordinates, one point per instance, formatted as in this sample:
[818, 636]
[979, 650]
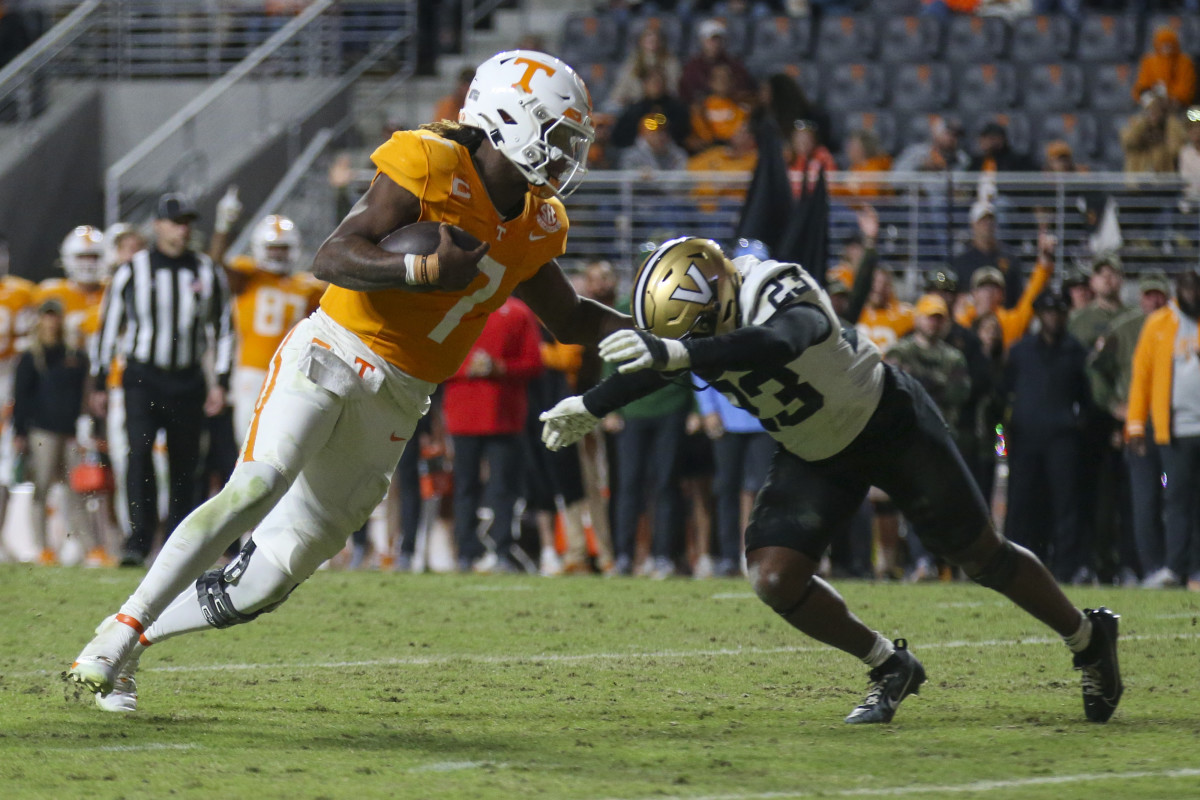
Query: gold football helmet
[686, 288]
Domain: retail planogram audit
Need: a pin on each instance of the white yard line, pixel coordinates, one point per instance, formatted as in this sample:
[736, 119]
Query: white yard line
[561, 658]
[122, 748]
[958, 788]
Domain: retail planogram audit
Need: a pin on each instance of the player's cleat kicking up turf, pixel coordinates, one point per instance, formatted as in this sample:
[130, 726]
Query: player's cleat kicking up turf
[891, 682]
[1102, 687]
[123, 697]
[97, 666]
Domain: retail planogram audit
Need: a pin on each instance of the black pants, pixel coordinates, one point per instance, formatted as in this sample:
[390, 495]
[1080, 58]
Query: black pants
[503, 455]
[647, 455]
[159, 400]
[1045, 506]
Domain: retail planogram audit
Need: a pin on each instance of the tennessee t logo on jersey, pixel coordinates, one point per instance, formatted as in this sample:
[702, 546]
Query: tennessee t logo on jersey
[531, 69]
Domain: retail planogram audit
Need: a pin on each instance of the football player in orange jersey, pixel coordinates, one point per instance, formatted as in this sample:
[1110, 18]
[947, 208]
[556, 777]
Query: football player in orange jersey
[269, 299]
[16, 318]
[346, 388]
[83, 258]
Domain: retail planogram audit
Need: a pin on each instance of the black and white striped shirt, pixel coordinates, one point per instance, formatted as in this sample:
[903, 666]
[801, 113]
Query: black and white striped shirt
[163, 312]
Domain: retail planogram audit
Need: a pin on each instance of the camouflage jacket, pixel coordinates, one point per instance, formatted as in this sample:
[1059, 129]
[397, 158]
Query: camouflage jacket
[940, 368]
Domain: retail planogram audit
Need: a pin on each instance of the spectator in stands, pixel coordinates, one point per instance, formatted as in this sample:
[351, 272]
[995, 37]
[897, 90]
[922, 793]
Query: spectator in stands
[47, 401]
[695, 78]
[654, 151]
[717, 114]
[650, 54]
[448, 107]
[14, 35]
[987, 293]
[884, 319]
[1164, 400]
[1189, 160]
[485, 404]
[996, 154]
[740, 155]
[603, 153]
[782, 99]
[986, 250]
[1168, 69]
[811, 157]
[1047, 384]
[1060, 158]
[1076, 285]
[1153, 138]
[1111, 372]
[864, 155]
[655, 99]
[940, 152]
[947, 8]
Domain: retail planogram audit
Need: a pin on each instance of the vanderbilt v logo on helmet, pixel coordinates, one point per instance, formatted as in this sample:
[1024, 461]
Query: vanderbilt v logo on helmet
[687, 287]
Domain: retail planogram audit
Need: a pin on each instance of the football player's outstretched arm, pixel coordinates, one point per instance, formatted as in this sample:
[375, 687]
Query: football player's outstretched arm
[352, 259]
[571, 318]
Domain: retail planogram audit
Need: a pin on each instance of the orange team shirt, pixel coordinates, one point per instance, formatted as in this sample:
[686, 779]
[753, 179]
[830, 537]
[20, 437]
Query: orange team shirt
[267, 308]
[884, 326]
[81, 308]
[16, 303]
[428, 334]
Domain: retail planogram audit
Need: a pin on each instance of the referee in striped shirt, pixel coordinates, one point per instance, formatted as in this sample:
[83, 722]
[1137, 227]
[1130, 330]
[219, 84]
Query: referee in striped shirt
[163, 309]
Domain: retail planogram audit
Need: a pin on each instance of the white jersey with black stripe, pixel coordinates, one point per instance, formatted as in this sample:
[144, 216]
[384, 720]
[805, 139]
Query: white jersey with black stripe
[816, 404]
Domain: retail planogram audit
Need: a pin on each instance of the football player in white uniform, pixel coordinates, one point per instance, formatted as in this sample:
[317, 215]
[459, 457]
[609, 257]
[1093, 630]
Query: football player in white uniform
[766, 336]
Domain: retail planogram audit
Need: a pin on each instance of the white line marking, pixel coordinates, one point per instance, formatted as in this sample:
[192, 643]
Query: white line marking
[512, 587]
[123, 748]
[1184, 615]
[961, 788]
[735, 596]
[585, 657]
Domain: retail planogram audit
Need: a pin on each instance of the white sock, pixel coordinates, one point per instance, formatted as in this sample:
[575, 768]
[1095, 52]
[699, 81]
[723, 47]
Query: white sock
[880, 652]
[1080, 639]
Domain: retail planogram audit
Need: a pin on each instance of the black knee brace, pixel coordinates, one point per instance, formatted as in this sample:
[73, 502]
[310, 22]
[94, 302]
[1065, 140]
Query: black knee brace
[1000, 569]
[808, 588]
[214, 600]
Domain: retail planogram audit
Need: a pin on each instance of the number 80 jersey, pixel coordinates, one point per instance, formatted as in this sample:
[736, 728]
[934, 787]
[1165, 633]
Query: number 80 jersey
[816, 404]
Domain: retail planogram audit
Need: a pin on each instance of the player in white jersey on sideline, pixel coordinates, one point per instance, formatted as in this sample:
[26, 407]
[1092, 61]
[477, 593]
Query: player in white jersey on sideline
[765, 335]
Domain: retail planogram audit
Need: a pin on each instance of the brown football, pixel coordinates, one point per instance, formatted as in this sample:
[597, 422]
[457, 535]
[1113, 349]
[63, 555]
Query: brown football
[422, 238]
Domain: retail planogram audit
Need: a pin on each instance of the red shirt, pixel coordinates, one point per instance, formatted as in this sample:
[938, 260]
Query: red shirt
[496, 403]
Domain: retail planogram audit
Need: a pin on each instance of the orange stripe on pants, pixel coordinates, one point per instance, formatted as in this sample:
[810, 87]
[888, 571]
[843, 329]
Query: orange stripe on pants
[268, 387]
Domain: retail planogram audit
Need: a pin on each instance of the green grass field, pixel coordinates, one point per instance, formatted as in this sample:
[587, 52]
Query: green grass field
[375, 685]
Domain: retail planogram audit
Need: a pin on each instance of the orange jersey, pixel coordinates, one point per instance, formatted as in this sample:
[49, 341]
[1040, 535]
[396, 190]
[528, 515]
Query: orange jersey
[884, 326]
[16, 306]
[81, 308]
[428, 334]
[267, 308]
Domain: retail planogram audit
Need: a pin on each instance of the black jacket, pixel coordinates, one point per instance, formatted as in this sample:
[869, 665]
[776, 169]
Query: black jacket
[50, 399]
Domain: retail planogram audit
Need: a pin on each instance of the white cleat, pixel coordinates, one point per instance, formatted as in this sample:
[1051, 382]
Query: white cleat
[96, 667]
[123, 697]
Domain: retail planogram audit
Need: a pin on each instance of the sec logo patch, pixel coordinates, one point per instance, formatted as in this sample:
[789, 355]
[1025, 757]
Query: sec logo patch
[547, 217]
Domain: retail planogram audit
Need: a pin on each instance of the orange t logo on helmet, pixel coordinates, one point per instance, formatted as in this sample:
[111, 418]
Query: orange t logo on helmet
[531, 68]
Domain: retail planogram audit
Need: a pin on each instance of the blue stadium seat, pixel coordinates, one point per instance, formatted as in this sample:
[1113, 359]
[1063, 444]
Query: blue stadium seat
[587, 38]
[1018, 125]
[855, 86]
[1080, 131]
[1112, 155]
[1053, 87]
[1041, 39]
[779, 41]
[1111, 87]
[910, 39]
[921, 87]
[598, 77]
[915, 128]
[669, 26]
[895, 7]
[739, 31]
[987, 87]
[809, 76]
[847, 39]
[881, 123]
[1186, 25]
[1108, 37]
[971, 39]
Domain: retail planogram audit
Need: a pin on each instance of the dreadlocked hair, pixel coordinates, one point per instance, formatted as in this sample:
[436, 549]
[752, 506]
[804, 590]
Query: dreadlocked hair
[468, 136]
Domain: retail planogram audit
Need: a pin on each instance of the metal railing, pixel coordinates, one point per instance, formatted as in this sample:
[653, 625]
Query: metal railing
[923, 216]
[21, 79]
[254, 101]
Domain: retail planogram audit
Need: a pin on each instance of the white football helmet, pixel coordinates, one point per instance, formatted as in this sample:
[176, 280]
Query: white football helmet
[82, 255]
[275, 244]
[537, 112]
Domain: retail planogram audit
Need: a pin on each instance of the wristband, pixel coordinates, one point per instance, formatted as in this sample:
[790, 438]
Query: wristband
[420, 270]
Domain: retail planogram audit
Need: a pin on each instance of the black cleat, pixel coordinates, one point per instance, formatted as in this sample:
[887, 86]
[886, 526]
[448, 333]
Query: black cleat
[1102, 685]
[891, 682]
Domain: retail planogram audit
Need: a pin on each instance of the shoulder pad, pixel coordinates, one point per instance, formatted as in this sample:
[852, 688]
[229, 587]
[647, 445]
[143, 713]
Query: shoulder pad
[770, 285]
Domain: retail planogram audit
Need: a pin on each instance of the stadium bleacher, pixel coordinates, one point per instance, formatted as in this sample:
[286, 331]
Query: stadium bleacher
[890, 62]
